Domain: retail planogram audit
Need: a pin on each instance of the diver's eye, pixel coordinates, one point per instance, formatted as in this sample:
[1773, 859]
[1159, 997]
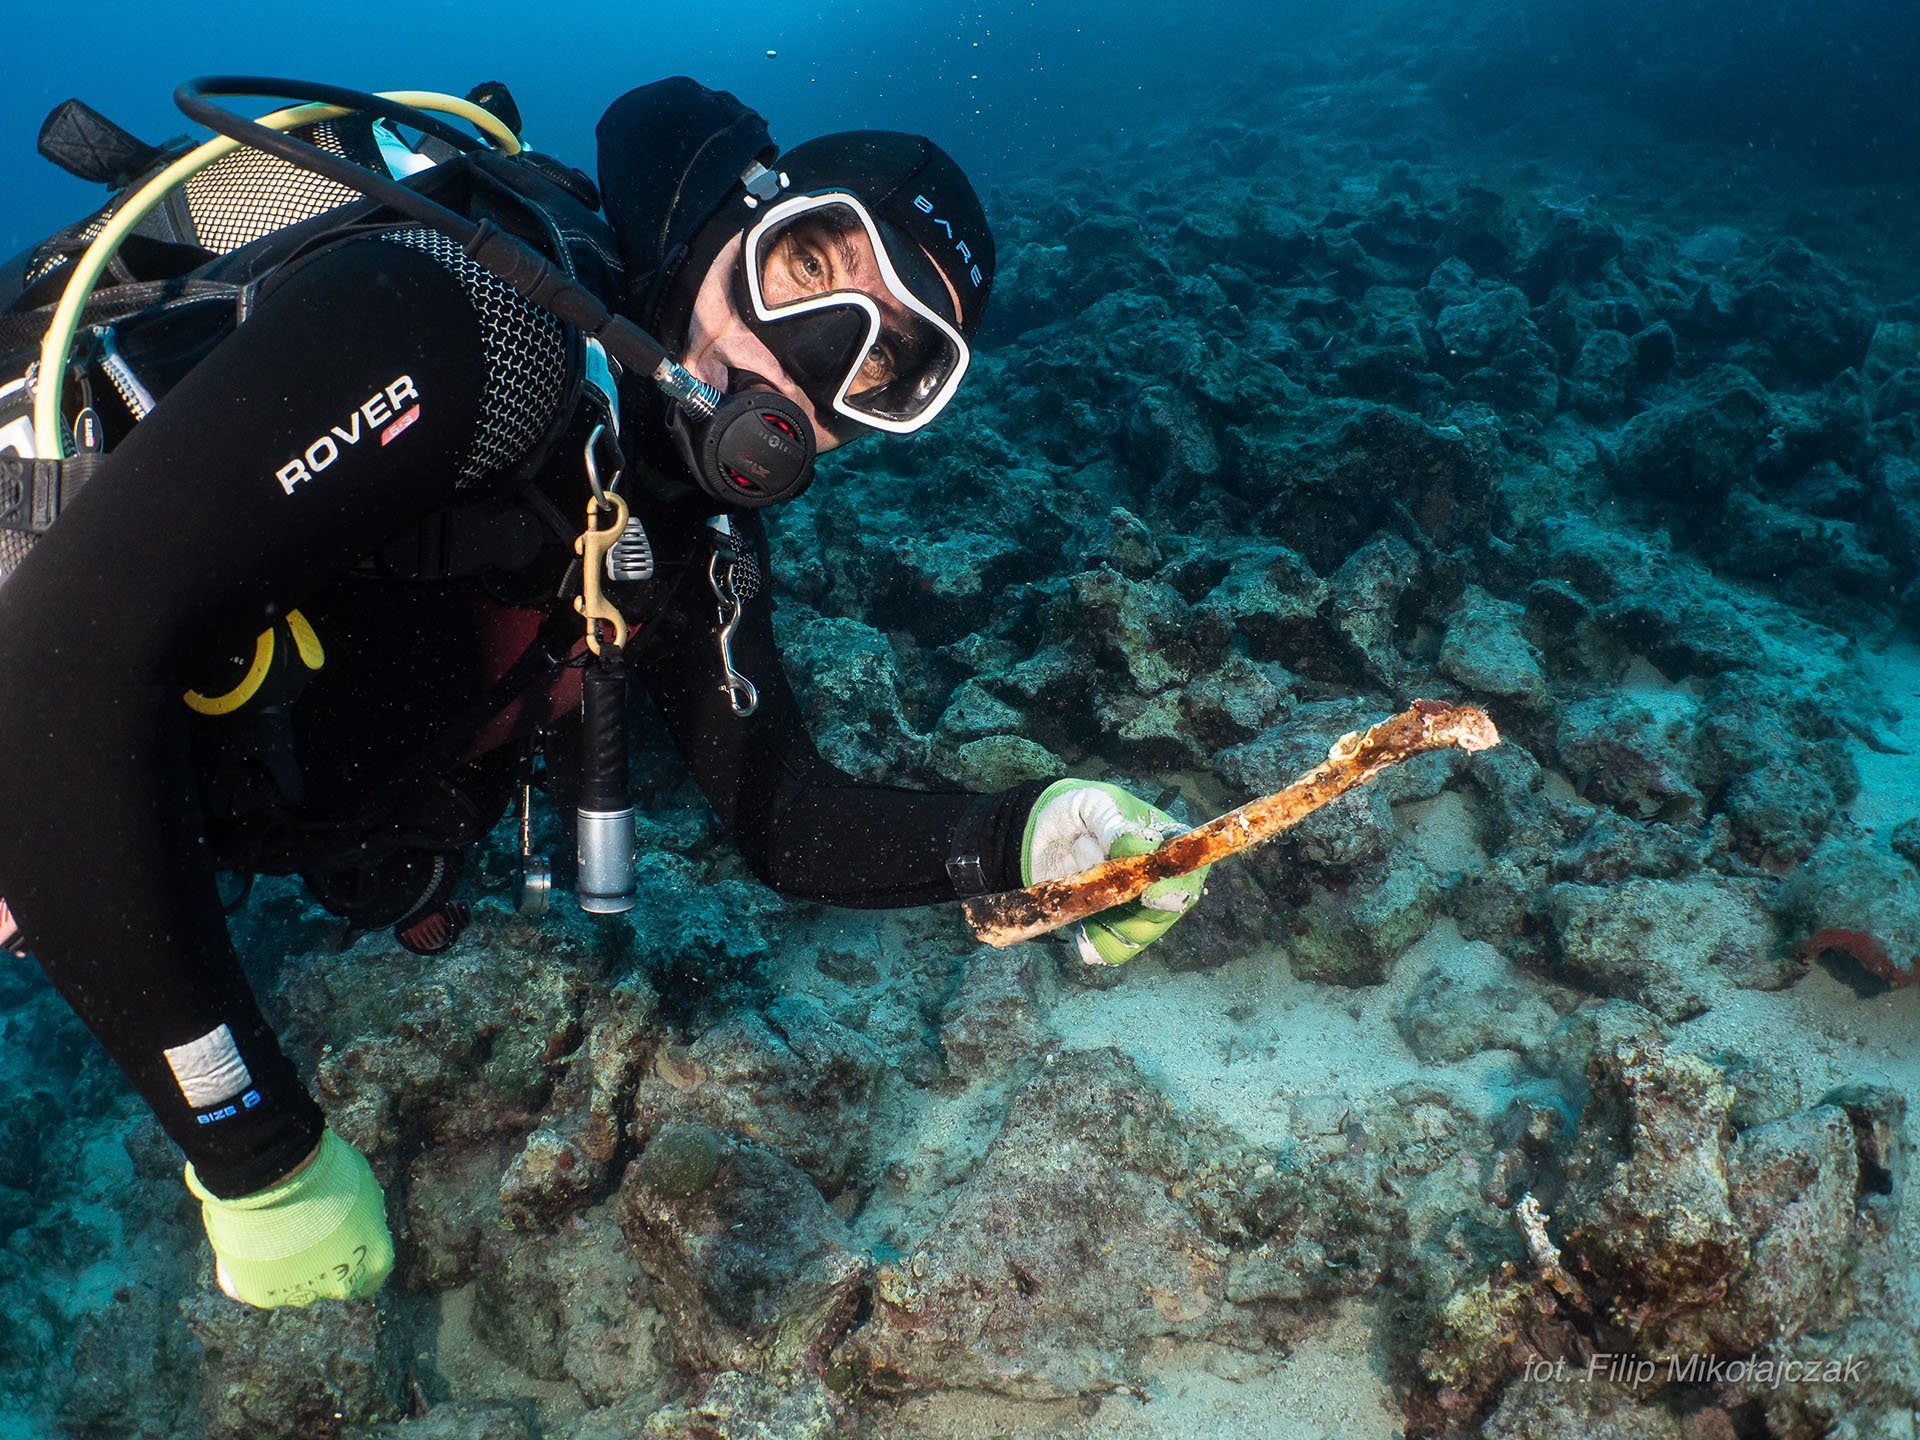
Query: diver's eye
[878, 369]
[795, 267]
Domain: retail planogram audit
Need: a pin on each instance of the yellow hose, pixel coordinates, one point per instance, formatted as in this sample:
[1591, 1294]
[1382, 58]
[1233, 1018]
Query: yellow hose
[49, 432]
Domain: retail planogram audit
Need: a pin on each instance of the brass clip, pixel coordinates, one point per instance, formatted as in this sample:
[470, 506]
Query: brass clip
[592, 547]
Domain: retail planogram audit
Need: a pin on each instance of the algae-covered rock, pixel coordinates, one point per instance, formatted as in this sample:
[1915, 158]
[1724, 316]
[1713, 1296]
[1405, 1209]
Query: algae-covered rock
[790, 1078]
[311, 1371]
[1655, 941]
[1650, 1216]
[1485, 650]
[999, 762]
[566, 1160]
[751, 1268]
[1579, 1406]
[1144, 626]
[1369, 591]
[1861, 901]
[1453, 1015]
[1626, 754]
[458, 1422]
[571, 1305]
[464, 1051]
[734, 1405]
[1059, 1251]
[1351, 934]
[1272, 598]
[995, 1026]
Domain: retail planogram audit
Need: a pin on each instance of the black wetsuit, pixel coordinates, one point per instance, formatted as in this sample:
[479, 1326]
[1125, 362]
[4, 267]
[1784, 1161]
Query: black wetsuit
[200, 529]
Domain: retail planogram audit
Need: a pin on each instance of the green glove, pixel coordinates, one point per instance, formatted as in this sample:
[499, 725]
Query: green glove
[1078, 823]
[319, 1235]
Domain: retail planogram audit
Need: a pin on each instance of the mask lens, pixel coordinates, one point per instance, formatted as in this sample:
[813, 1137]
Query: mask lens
[854, 311]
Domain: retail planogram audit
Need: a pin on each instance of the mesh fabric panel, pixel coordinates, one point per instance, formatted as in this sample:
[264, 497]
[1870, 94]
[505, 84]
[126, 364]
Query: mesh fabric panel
[247, 194]
[14, 545]
[526, 350]
[54, 255]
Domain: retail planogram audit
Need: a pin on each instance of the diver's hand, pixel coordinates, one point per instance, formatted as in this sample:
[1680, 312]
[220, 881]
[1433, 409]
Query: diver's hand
[1078, 823]
[319, 1234]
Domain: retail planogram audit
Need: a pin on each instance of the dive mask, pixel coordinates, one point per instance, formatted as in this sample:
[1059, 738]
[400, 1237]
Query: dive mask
[854, 311]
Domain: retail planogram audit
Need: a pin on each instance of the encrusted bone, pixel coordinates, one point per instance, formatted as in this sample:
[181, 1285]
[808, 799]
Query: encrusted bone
[1011, 916]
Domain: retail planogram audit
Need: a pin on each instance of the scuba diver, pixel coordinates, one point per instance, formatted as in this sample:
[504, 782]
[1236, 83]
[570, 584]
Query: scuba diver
[297, 586]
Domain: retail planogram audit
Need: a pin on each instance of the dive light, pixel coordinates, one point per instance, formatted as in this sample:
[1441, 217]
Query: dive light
[603, 819]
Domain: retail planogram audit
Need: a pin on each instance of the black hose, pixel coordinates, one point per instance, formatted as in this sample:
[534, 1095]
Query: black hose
[519, 265]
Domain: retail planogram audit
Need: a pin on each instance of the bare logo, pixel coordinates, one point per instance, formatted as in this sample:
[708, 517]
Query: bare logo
[380, 411]
[925, 207]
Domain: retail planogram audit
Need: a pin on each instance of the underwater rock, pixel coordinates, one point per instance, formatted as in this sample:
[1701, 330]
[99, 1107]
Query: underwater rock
[1827, 564]
[854, 704]
[1776, 752]
[1451, 1016]
[999, 762]
[688, 922]
[1805, 320]
[1168, 441]
[567, 1158]
[1127, 544]
[1855, 898]
[1580, 1407]
[1686, 453]
[1482, 327]
[1905, 840]
[788, 1077]
[1059, 1251]
[948, 584]
[452, 1205]
[1486, 651]
[570, 1305]
[465, 1051]
[135, 1365]
[1272, 599]
[311, 1372]
[1574, 248]
[1651, 941]
[1351, 933]
[1144, 626]
[994, 1027]
[1151, 731]
[1701, 1241]
[751, 1268]
[1649, 1215]
[734, 1405]
[1622, 753]
[458, 1422]
[1605, 373]
[1235, 701]
[976, 713]
[1369, 590]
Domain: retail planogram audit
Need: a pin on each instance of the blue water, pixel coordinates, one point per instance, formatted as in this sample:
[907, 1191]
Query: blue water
[996, 85]
[1402, 331]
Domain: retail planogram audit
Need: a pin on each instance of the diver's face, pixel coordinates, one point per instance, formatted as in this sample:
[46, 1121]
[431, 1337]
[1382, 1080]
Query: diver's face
[805, 260]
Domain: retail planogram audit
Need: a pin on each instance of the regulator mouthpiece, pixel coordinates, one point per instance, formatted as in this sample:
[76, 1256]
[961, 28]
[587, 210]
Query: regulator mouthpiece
[756, 449]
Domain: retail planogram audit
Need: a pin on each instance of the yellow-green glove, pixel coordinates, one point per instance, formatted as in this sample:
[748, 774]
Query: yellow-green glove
[320, 1235]
[1078, 823]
